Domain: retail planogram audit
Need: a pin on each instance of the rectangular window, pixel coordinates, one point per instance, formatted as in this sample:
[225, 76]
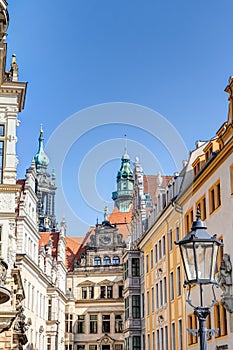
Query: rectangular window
[127, 344]
[2, 131]
[161, 292]
[118, 347]
[91, 292]
[157, 340]
[70, 323]
[109, 292]
[165, 290]
[177, 233]
[143, 307]
[166, 338]
[157, 295]
[126, 270]
[180, 335]
[178, 281]
[152, 300]
[171, 286]
[105, 323]
[84, 292]
[147, 265]
[220, 320]
[81, 324]
[164, 245]
[160, 249]
[102, 292]
[49, 343]
[148, 302]
[214, 196]
[137, 343]
[92, 347]
[153, 340]
[136, 306]
[49, 309]
[156, 254]
[173, 336]
[170, 239]
[118, 324]
[162, 338]
[151, 259]
[135, 267]
[93, 324]
[120, 291]
[126, 308]
[192, 324]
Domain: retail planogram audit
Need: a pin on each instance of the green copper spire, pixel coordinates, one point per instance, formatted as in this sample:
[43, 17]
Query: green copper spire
[41, 159]
[125, 185]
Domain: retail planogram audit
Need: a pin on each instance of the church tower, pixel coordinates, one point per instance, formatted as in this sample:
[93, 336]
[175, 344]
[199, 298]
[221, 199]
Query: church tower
[123, 197]
[45, 189]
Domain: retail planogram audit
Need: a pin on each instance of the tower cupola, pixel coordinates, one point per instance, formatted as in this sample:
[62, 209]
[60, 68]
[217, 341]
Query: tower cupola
[41, 159]
[125, 185]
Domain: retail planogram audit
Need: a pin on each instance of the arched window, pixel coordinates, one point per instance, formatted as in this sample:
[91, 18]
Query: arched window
[97, 261]
[116, 260]
[107, 260]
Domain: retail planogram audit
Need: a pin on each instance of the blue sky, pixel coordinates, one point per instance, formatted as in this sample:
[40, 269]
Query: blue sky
[174, 57]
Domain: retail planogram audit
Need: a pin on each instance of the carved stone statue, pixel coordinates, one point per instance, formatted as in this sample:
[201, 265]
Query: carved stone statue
[225, 274]
[3, 272]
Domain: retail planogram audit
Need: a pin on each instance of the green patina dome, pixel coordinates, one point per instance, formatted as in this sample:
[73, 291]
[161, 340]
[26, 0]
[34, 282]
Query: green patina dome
[41, 159]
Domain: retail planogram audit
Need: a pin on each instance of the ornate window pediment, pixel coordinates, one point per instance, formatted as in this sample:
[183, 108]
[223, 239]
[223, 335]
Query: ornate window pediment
[105, 283]
[86, 283]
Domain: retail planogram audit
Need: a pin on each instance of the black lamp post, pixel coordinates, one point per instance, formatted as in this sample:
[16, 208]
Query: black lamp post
[199, 252]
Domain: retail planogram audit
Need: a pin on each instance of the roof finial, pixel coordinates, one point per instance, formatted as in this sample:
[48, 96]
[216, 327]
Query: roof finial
[198, 215]
[125, 149]
[41, 129]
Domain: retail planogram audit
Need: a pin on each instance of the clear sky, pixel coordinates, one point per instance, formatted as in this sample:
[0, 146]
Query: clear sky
[172, 57]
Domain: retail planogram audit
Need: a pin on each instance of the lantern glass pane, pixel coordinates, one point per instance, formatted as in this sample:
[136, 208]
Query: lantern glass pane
[188, 259]
[204, 259]
[214, 265]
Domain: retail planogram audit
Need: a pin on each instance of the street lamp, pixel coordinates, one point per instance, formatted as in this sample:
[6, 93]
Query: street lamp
[199, 252]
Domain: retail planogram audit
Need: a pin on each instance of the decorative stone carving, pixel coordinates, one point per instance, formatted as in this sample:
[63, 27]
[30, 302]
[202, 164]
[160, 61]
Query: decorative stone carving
[225, 282]
[3, 272]
[225, 274]
[7, 202]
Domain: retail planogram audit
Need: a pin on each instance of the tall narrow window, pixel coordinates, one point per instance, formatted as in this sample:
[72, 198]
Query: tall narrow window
[97, 261]
[180, 335]
[135, 267]
[81, 324]
[156, 254]
[49, 309]
[147, 265]
[91, 292]
[118, 324]
[109, 292]
[136, 306]
[173, 336]
[171, 286]
[69, 323]
[178, 280]
[170, 239]
[164, 246]
[84, 292]
[157, 340]
[105, 323]
[151, 259]
[137, 343]
[126, 269]
[152, 300]
[126, 308]
[165, 290]
[93, 324]
[161, 292]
